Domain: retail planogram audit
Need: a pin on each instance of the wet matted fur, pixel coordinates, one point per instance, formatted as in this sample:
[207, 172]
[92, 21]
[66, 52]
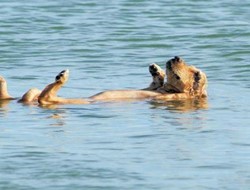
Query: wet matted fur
[183, 78]
[158, 75]
[183, 82]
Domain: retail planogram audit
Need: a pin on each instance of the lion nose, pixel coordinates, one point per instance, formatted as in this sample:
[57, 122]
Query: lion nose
[177, 59]
[153, 67]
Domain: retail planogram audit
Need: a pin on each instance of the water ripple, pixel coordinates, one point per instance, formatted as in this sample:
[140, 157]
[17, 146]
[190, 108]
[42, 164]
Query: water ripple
[131, 145]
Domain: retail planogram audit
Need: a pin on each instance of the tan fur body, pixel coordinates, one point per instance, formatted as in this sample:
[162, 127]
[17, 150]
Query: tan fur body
[183, 82]
[4, 94]
[158, 75]
[124, 94]
[49, 94]
[30, 96]
[114, 95]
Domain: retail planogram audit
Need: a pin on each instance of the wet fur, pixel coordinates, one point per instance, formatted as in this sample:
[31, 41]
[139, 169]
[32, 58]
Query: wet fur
[4, 94]
[182, 78]
[158, 75]
[30, 96]
[49, 94]
[182, 82]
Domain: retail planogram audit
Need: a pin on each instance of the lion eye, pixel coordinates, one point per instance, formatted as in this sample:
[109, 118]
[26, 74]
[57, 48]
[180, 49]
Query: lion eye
[177, 77]
[197, 76]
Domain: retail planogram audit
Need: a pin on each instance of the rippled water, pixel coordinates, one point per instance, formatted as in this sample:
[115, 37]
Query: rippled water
[125, 145]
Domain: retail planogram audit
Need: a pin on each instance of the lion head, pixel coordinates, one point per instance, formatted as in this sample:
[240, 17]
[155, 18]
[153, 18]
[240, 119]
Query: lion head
[182, 78]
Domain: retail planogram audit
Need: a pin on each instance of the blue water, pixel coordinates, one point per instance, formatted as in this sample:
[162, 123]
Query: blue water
[124, 145]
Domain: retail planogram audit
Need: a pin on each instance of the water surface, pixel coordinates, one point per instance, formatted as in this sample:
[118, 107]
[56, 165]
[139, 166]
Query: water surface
[124, 145]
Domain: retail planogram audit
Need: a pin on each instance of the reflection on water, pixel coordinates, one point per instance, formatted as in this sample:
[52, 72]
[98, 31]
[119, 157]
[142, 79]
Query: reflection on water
[181, 105]
[4, 107]
[4, 103]
[57, 118]
[50, 106]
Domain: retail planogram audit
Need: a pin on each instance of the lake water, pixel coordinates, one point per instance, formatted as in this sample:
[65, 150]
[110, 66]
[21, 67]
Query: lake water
[125, 145]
